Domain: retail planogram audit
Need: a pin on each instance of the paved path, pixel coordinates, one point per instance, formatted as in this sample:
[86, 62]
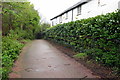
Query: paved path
[42, 60]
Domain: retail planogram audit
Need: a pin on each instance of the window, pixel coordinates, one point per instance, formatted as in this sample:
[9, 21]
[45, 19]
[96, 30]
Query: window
[56, 21]
[102, 3]
[60, 19]
[98, 2]
[67, 15]
[79, 10]
[52, 23]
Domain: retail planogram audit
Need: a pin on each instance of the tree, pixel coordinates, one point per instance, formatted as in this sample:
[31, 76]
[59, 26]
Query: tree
[20, 15]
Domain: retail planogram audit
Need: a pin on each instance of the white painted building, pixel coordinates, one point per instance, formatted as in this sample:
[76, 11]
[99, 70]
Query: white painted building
[85, 9]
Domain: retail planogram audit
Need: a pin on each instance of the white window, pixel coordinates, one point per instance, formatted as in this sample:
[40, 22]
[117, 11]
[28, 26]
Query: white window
[78, 10]
[56, 21]
[52, 23]
[98, 2]
[102, 3]
[119, 5]
[60, 19]
[67, 15]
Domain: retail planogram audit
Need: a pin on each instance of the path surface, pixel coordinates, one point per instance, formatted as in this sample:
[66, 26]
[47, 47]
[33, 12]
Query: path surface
[42, 60]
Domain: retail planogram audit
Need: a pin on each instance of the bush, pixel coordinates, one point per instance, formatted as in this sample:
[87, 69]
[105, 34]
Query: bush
[10, 51]
[20, 34]
[98, 37]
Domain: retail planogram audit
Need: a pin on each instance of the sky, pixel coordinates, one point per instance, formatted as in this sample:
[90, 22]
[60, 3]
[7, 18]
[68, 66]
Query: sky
[51, 8]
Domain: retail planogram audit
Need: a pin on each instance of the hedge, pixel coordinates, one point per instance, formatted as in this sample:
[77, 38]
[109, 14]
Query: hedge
[98, 37]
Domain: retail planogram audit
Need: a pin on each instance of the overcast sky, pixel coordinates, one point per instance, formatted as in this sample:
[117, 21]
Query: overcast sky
[50, 8]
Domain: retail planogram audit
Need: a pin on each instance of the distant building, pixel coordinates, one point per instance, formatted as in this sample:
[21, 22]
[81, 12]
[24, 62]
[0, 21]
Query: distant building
[85, 9]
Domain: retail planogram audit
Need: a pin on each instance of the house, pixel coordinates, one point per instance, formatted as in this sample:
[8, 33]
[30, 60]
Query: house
[85, 9]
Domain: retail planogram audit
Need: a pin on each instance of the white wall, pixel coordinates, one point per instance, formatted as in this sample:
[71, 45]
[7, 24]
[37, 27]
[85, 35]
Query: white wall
[91, 9]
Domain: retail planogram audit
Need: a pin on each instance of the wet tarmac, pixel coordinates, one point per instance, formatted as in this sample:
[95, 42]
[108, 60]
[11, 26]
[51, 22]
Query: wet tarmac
[40, 59]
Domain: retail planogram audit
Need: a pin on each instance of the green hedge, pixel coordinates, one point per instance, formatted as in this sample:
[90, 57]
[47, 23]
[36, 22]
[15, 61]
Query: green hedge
[98, 37]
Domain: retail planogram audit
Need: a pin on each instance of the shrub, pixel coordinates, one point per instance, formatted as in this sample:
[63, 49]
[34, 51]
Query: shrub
[20, 34]
[98, 36]
[10, 51]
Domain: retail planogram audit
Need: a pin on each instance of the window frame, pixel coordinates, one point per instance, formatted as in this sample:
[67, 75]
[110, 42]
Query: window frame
[66, 15]
[79, 10]
[60, 19]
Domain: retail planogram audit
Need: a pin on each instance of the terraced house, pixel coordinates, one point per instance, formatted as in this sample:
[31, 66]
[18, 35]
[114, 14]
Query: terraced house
[85, 9]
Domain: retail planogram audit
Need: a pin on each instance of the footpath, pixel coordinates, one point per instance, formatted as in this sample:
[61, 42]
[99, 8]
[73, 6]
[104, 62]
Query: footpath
[40, 59]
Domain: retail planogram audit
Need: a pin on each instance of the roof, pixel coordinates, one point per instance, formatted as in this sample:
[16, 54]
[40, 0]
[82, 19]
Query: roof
[71, 8]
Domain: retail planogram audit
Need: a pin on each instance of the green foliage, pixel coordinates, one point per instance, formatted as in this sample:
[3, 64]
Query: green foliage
[10, 51]
[0, 53]
[98, 36]
[20, 34]
[43, 27]
[80, 55]
[20, 15]
[11, 47]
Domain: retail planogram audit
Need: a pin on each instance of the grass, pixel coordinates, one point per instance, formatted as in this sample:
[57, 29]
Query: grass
[80, 55]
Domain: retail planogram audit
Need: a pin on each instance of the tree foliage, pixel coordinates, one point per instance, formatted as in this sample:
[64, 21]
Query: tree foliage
[43, 27]
[20, 15]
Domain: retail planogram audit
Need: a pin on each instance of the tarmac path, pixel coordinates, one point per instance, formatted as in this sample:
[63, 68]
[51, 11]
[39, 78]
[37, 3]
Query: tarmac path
[40, 59]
